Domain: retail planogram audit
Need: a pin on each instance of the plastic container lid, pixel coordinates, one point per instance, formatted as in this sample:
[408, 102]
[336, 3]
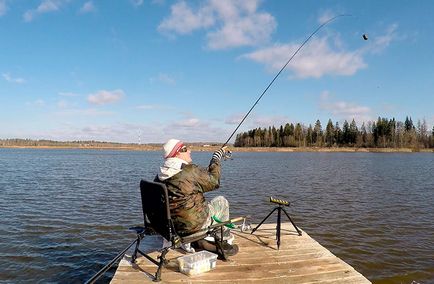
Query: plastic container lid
[196, 263]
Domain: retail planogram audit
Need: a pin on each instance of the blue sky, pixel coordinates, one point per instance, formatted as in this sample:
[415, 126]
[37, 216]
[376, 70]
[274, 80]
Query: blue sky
[132, 70]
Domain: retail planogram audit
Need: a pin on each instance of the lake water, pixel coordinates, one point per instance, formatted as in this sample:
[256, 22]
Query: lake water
[65, 213]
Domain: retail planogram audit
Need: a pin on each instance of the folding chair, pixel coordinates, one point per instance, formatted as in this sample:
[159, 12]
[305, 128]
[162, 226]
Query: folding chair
[157, 220]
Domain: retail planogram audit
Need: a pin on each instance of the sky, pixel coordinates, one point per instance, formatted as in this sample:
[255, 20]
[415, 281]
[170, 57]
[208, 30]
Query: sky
[141, 71]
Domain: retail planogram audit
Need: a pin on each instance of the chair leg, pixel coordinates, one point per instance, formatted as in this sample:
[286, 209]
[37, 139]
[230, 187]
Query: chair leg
[220, 250]
[136, 249]
[219, 244]
[162, 258]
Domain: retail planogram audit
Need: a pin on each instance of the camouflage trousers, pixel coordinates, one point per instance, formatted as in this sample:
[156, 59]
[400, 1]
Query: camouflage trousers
[218, 207]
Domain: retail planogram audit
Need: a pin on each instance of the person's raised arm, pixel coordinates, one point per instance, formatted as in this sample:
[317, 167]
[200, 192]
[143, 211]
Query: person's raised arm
[217, 156]
[209, 178]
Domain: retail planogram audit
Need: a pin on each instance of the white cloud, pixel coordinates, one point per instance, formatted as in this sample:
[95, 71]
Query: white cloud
[345, 110]
[321, 56]
[192, 130]
[234, 119]
[378, 43]
[255, 120]
[104, 131]
[46, 6]
[10, 79]
[248, 31]
[28, 16]
[266, 121]
[183, 20]
[188, 123]
[87, 7]
[234, 23]
[3, 7]
[71, 132]
[105, 97]
[317, 59]
[150, 132]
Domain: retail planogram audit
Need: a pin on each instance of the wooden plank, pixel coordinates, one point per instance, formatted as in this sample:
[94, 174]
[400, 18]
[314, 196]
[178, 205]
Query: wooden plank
[300, 259]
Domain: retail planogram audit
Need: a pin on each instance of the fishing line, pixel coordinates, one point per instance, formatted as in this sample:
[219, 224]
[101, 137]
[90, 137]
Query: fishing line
[277, 75]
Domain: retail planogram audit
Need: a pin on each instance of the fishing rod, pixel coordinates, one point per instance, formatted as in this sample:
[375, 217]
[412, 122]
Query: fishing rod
[277, 75]
[109, 265]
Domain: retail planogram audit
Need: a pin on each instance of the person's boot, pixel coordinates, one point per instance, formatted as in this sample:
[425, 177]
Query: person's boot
[228, 249]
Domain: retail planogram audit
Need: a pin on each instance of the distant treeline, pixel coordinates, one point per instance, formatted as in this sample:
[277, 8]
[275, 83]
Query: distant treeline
[51, 143]
[383, 133]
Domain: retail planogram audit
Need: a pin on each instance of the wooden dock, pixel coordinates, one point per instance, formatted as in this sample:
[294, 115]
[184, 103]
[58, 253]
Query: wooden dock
[300, 259]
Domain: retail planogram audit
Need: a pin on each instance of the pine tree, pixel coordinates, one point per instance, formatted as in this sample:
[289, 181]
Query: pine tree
[330, 134]
[392, 132]
[353, 132]
[317, 133]
[298, 134]
[309, 136]
[275, 136]
[280, 141]
[345, 133]
[338, 134]
[364, 135]
[408, 124]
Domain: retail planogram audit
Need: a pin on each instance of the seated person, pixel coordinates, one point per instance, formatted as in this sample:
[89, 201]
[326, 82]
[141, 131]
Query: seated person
[186, 184]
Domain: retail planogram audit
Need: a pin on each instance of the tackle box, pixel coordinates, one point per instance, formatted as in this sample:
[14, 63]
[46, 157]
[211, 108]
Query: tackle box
[198, 262]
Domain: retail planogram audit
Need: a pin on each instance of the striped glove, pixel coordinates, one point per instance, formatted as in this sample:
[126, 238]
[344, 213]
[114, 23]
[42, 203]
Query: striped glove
[217, 156]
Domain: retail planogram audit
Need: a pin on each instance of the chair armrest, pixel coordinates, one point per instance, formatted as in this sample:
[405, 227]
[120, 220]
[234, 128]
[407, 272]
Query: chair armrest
[137, 229]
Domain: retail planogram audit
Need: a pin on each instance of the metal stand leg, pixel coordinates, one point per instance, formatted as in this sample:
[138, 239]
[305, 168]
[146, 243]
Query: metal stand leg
[278, 225]
[287, 215]
[263, 220]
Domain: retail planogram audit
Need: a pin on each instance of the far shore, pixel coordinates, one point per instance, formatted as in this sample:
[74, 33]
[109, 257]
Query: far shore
[234, 149]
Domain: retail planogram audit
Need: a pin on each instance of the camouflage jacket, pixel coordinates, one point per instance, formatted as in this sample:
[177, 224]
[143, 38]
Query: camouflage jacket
[188, 207]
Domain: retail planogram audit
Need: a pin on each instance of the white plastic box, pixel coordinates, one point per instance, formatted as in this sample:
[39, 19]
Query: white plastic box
[198, 262]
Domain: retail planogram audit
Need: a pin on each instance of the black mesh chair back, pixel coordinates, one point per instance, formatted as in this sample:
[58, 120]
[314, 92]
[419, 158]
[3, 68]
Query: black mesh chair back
[156, 211]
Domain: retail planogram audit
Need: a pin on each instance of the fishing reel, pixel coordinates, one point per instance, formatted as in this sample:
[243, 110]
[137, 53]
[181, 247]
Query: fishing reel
[227, 155]
[245, 227]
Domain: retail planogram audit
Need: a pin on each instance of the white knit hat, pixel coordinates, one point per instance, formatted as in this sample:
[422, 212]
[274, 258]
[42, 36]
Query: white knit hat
[172, 147]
